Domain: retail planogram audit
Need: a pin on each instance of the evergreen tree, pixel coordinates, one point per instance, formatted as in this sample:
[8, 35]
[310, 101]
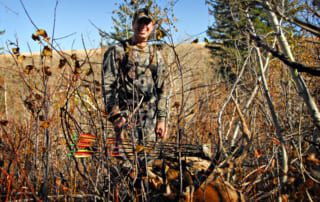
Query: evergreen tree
[229, 42]
[225, 36]
[122, 20]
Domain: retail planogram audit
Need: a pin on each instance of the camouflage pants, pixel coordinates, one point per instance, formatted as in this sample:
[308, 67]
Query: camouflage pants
[142, 123]
[139, 131]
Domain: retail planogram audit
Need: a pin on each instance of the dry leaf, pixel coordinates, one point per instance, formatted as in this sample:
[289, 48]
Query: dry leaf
[284, 198]
[58, 181]
[257, 153]
[47, 71]
[176, 104]
[309, 183]
[47, 51]
[64, 188]
[41, 32]
[28, 69]
[62, 62]
[312, 158]
[275, 141]
[16, 51]
[35, 37]
[21, 58]
[45, 124]
[273, 163]
[98, 89]
[160, 34]
[74, 56]
[195, 41]
[139, 148]
[77, 64]
[38, 97]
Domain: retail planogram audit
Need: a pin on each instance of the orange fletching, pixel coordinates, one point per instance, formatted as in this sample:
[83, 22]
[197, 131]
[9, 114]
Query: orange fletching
[82, 153]
[87, 136]
[82, 140]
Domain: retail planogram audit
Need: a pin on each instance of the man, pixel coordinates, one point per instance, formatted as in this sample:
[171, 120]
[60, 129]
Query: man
[133, 79]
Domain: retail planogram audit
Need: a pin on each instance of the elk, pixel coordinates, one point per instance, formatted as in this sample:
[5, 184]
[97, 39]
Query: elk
[217, 190]
[211, 187]
[214, 188]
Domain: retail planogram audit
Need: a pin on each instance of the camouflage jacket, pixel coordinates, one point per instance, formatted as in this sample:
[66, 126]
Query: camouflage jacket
[132, 76]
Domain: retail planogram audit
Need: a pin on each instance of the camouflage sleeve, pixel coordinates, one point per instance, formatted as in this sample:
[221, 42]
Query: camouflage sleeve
[161, 85]
[110, 82]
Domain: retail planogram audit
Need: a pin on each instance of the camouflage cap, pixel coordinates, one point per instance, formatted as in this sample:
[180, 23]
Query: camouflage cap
[142, 13]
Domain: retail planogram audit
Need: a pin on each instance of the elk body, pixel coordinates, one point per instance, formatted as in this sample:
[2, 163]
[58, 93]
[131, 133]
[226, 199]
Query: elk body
[212, 189]
[217, 190]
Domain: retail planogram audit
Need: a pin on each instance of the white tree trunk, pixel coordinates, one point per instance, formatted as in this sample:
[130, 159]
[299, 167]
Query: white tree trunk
[301, 86]
[284, 156]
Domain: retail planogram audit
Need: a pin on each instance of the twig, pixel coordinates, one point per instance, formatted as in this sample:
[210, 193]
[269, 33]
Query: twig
[54, 21]
[27, 13]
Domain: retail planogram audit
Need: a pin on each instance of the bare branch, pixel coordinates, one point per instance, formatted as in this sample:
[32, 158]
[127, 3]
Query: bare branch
[300, 67]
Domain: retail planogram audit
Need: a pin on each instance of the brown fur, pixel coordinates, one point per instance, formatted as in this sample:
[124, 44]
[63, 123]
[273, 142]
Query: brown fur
[217, 191]
[214, 189]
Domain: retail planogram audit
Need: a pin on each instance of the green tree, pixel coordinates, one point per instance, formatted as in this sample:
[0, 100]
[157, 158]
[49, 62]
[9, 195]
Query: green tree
[229, 43]
[225, 36]
[122, 19]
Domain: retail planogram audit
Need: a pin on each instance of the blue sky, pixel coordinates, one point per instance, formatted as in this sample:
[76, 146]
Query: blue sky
[73, 16]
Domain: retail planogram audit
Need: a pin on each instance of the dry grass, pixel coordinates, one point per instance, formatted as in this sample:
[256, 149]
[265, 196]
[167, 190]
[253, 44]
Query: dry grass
[74, 106]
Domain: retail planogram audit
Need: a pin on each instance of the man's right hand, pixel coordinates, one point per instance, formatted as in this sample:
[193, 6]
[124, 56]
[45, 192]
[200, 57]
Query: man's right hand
[119, 122]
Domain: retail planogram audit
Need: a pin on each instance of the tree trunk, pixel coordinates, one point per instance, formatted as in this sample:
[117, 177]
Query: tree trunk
[301, 86]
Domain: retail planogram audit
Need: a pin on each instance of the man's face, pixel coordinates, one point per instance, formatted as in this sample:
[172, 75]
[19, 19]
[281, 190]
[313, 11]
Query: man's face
[142, 29]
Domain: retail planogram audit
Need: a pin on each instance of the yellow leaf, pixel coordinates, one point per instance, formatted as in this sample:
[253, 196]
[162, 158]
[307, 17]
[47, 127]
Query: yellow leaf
[16, 51]
[160, 34]
[313, 159]
[139, 148]
[47, 39]
[47, 51]
[41, 32]
[58, 181]
[21, 58]
[28, 69]
[45, 124]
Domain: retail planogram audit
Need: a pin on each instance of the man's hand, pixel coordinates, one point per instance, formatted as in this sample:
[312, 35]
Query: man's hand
[161, 129]
[119, 122]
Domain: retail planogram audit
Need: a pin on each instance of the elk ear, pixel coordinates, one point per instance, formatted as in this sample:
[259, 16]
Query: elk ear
[206, 150]
[168, 190]
[172, 174]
